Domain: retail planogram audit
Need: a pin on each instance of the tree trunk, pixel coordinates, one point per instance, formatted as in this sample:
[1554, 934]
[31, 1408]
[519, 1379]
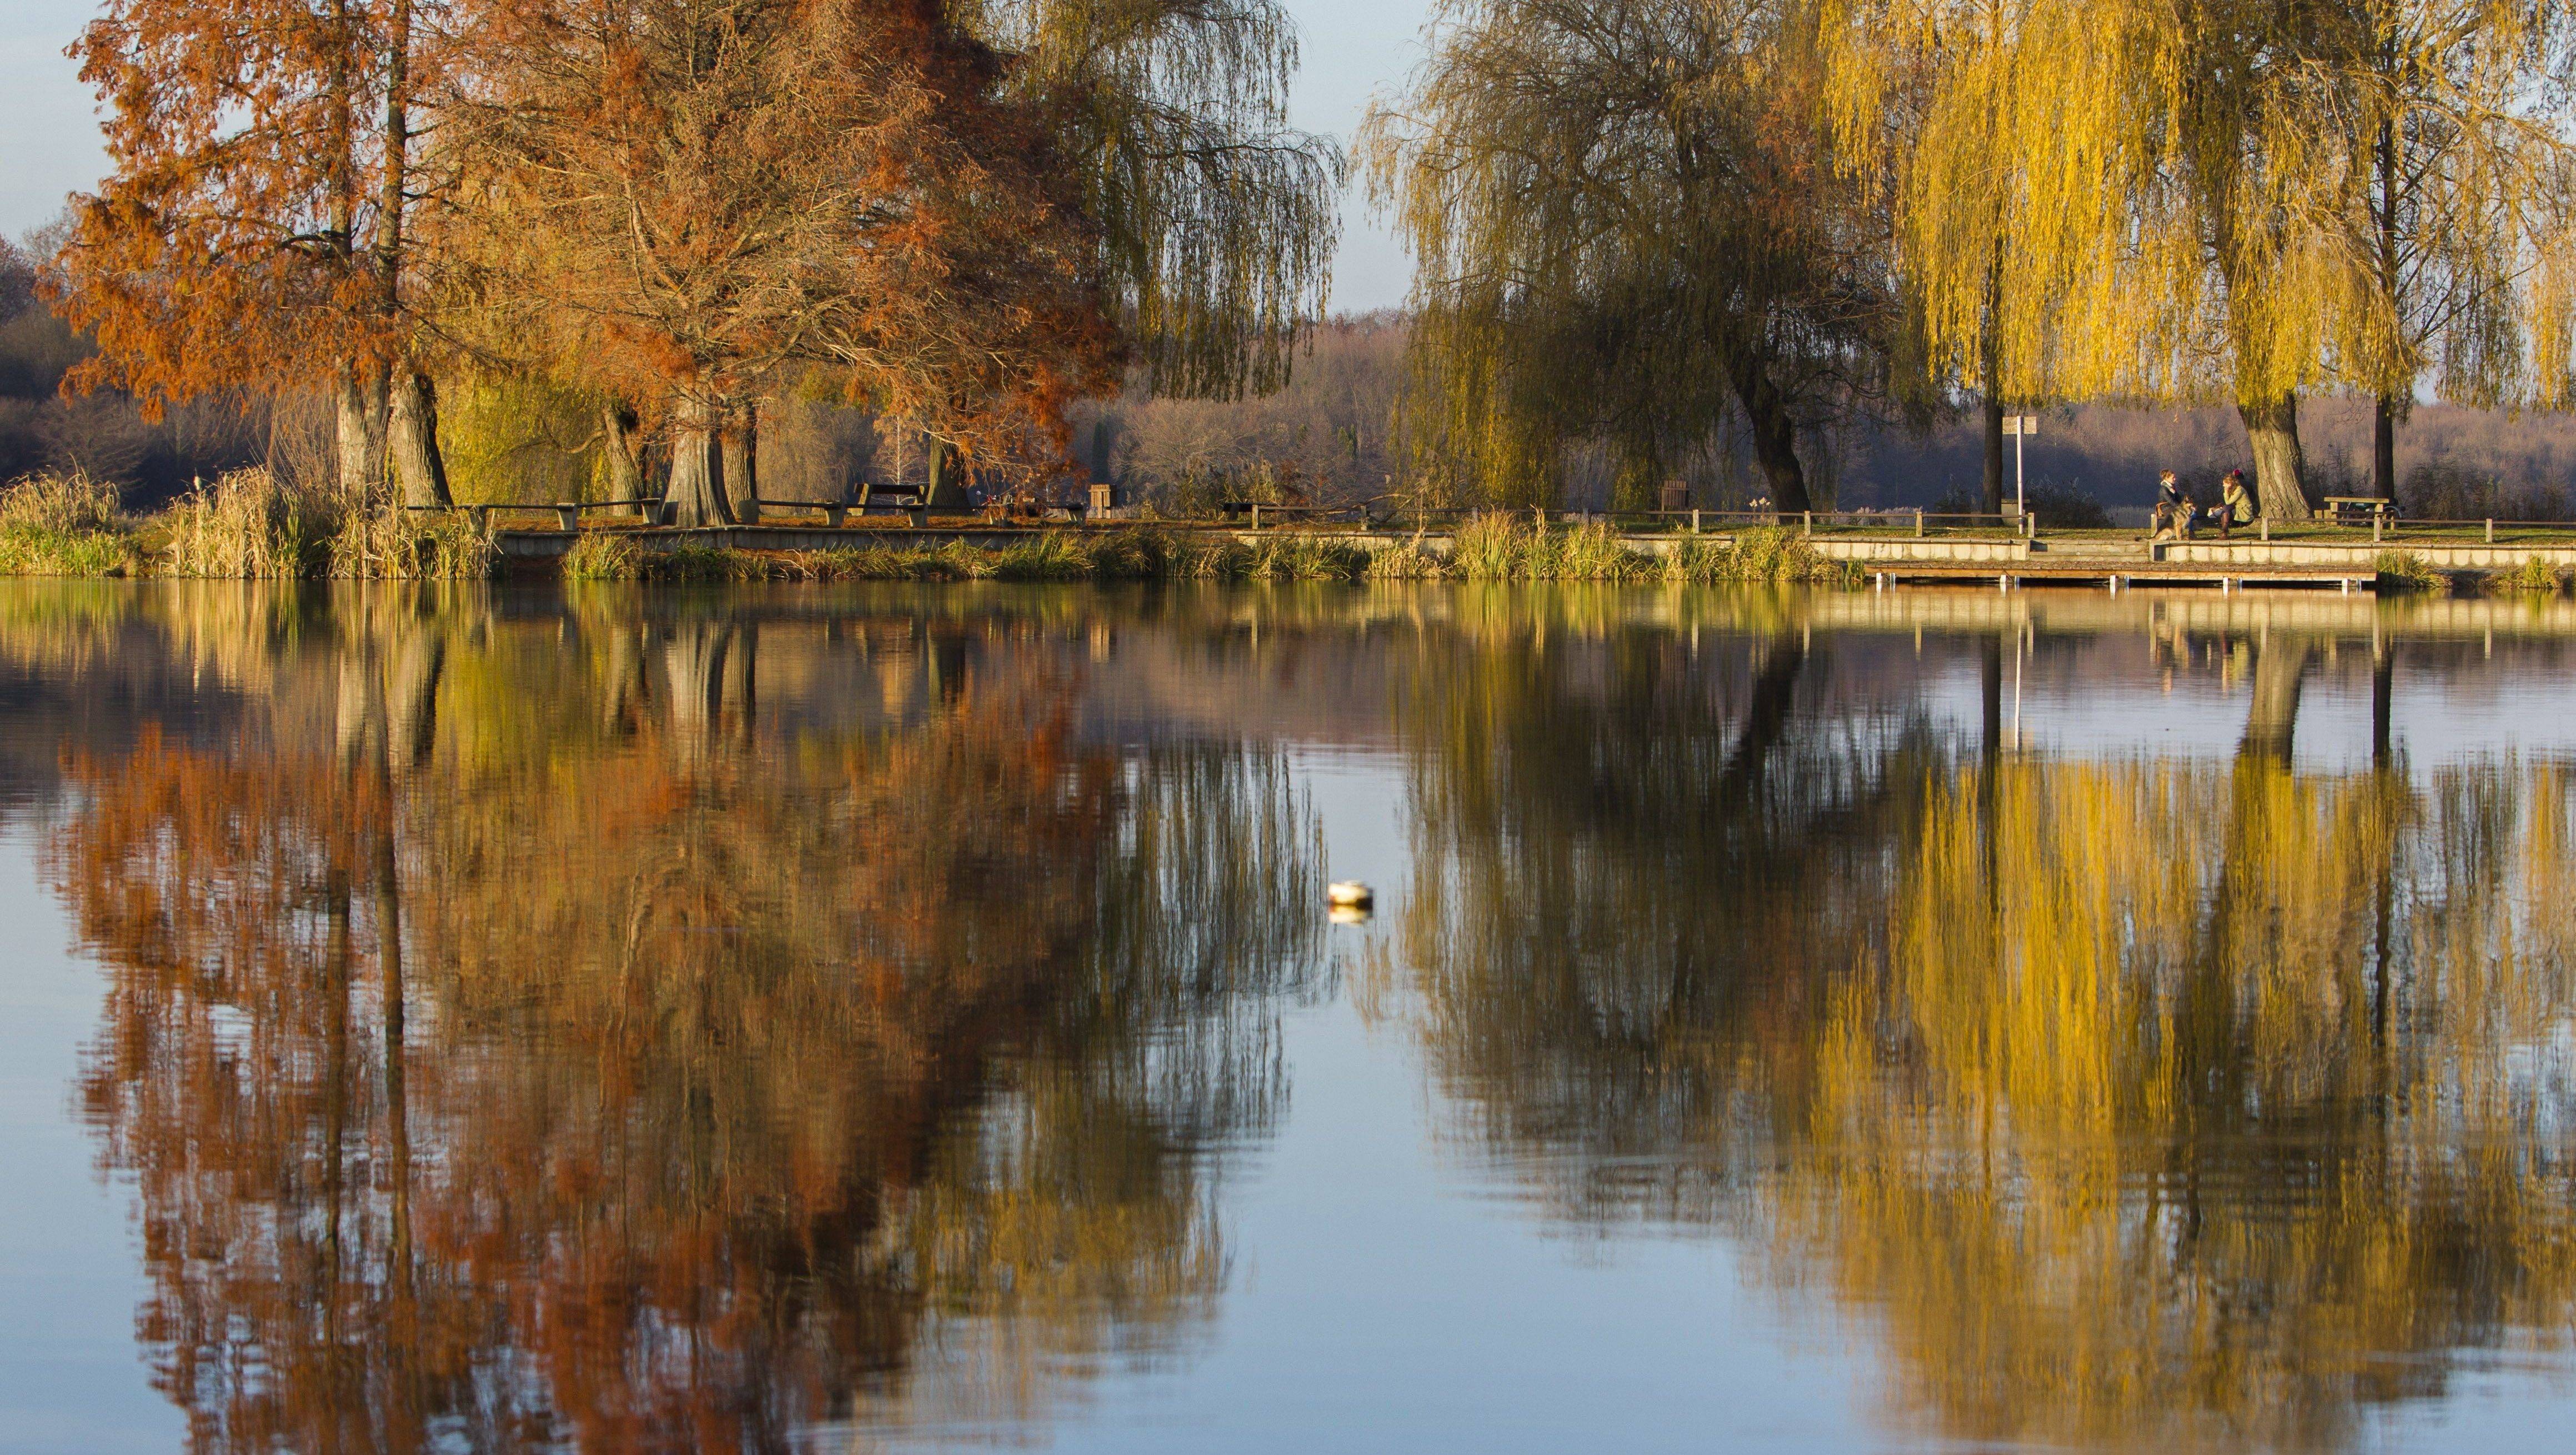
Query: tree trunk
[2273, 427]
[697, 496]
[1775, 436]
[412, 430]
[361, 401]
[947, 490]
[742, 461]
[625, 472]
[2383, 448]
[1994, 435]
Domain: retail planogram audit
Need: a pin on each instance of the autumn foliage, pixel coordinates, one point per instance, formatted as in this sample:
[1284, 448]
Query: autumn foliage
[678, 208]
[703, 203]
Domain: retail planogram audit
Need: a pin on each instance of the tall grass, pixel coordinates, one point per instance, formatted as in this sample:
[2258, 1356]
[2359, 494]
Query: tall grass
[2401, 571]
[2534, 577]
[64, 525]
[251, 525]
[258, 525]
[384, 542]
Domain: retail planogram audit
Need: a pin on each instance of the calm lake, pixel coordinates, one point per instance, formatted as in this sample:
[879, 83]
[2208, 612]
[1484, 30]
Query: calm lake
[905, 1018]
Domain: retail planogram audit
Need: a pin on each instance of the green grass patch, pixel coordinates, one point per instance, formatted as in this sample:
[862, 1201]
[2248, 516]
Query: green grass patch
[33, 550]
[65, 525]
[2404, 571]
[2534, 577]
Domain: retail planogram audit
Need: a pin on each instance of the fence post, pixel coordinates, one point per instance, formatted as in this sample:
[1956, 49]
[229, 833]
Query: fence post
[1807, 525]
[2263, 523]
[1694, 520]
[1256, 515]
[1918, 522]
[2490, 530]
[2375, 519]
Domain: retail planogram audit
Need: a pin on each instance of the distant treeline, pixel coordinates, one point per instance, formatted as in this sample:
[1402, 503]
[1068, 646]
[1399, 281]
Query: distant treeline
[104, 435]
[1335, 434]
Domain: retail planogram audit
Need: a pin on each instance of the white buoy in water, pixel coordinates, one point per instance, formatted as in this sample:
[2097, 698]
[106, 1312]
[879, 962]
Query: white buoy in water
[1348, 892]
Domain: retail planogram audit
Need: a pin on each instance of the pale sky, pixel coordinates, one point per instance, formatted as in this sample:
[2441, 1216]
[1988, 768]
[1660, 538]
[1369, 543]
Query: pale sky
[49, 144]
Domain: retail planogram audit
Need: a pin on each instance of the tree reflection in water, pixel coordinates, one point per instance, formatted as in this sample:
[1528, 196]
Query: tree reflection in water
[518, 1038]
[2156, 1102]
[659, 1021]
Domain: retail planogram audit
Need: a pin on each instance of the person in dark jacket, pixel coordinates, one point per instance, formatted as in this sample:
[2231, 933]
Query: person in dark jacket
[2174, 509]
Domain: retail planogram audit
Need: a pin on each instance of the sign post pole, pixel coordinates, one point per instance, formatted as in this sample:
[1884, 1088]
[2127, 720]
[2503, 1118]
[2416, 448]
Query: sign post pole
[2020, 427]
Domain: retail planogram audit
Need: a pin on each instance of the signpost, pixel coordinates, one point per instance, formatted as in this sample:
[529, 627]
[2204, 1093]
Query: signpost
[2020, 427]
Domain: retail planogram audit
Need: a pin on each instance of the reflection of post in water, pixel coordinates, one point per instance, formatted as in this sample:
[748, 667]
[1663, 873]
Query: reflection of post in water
[1990, 755]
[2383, 667]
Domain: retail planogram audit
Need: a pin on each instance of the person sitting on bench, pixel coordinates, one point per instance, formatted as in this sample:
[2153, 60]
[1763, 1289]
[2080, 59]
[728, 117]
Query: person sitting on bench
[2175, 510]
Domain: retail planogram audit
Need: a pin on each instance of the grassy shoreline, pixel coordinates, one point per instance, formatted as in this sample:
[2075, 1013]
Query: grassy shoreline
[250, 525]
[1488, 548]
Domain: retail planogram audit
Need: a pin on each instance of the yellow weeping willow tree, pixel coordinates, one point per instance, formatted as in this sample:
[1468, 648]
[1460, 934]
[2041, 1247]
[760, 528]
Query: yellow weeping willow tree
[1628, 226]
[2234, 199]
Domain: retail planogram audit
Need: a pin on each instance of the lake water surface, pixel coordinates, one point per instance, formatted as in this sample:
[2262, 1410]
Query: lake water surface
[906, 1018]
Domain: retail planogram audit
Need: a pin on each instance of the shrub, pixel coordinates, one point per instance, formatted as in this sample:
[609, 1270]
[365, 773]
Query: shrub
[1764, 555]
[2064, 507]
[603, 556]
[2401, 571]
[2534, 577]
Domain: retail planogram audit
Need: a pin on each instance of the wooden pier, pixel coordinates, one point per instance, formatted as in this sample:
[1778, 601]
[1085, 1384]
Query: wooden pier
[2117, 575]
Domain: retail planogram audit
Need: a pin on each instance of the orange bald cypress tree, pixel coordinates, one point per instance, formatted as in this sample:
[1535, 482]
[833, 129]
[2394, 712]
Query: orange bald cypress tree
[253, 232]
[690, 201]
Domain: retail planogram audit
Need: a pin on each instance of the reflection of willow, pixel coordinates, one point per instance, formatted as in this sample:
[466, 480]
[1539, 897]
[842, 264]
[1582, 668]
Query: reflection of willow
[550, 1060]
[1614, 838]
[2154, 1103]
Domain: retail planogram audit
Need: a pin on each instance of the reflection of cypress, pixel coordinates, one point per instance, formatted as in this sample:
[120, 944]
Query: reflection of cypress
[667, 1078]
[2135, 1104]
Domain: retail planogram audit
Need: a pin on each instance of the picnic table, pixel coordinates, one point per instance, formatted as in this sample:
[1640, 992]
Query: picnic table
[2355, 509]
